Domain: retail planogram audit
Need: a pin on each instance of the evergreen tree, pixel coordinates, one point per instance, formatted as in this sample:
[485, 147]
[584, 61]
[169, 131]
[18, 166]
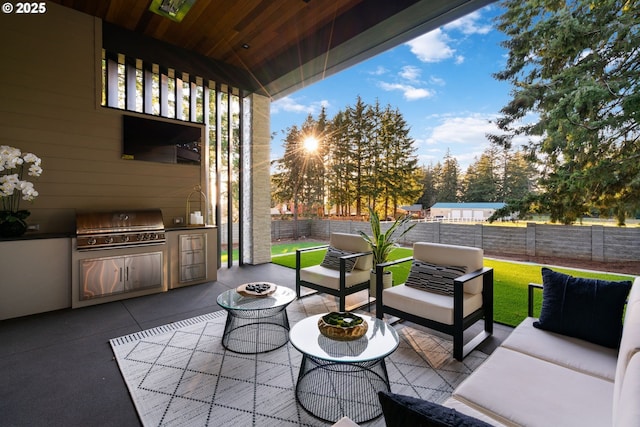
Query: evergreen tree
[401, 177]
[448, 185]
[429, 186]
[480, 182]
[575, 66]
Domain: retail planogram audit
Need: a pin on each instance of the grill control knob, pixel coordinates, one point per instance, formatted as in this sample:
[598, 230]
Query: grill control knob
[108, 239]
[91, 241]
[125, 238]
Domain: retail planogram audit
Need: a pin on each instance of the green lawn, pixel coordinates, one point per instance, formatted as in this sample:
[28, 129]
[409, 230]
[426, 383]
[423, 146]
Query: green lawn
[510, 278]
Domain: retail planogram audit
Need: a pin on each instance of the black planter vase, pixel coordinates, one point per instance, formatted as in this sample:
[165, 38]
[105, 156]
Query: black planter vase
[13, 224]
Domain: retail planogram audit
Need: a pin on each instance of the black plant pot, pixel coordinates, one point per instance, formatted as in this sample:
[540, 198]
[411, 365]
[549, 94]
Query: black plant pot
[13, 227]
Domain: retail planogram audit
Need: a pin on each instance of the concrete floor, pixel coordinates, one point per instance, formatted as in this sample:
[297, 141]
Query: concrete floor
[57, 368]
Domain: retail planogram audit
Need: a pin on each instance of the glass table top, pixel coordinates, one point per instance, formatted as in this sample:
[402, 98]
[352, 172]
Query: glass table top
[232, 300]
[380, 340]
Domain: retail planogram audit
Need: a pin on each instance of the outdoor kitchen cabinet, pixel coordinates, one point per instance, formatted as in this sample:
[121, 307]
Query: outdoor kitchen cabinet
[113, 275]
[35, 275]
[192, 256]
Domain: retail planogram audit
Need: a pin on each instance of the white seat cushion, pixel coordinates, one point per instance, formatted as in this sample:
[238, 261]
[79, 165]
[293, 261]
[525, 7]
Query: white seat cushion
[519, 389]
[330, 278]
[573, 353]
[426, 304]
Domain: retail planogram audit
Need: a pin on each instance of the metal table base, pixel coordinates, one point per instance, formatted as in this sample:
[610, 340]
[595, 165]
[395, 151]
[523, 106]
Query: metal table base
[256, 331]
[330, 390]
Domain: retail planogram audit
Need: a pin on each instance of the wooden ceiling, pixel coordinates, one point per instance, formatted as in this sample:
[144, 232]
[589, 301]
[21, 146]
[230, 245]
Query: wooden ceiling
[283, 45]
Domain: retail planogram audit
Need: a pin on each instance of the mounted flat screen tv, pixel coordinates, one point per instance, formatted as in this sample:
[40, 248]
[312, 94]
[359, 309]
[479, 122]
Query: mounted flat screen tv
[159, 141]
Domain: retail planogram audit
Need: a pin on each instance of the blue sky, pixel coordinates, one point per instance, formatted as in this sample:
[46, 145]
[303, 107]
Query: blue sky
[441, 82]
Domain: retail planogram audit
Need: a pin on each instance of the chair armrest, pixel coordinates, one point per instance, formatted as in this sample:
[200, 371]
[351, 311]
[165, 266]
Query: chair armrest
[300, 251]
[532, 287]
[394, 262]
[343, 264]
[466, 277]
[313, 248]
[355, 255]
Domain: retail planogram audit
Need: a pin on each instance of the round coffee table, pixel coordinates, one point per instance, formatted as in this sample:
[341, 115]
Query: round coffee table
[256, 324]
[343, 378]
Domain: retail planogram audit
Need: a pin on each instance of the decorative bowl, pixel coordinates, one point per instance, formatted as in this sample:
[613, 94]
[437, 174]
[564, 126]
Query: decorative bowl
[342, 326]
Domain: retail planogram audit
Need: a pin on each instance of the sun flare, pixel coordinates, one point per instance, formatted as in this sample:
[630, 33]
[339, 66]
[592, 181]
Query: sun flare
[310, 144]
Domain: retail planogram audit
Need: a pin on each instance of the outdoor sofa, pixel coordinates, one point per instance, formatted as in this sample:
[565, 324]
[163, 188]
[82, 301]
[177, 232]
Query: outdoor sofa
[586, 373]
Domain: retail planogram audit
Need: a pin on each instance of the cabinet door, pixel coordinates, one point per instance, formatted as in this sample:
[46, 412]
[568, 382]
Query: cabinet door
[143, 271]
[101, 276]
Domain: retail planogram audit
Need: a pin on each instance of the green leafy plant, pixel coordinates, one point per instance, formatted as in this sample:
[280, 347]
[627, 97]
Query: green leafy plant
[383, 243]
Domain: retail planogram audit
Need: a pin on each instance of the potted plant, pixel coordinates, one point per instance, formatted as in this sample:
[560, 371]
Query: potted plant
[14, 165]
[383, 243]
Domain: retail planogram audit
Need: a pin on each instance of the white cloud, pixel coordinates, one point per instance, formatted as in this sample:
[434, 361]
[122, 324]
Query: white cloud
[380, 70]
[432, 47]
[468, 24]
[438, 81]
[436, 45]
[410, 92]
[289, 104]
[463, 135]
[410, 72]
[467, 130]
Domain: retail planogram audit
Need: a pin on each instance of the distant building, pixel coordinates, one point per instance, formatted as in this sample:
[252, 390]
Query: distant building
[415, 211]
[479, 211]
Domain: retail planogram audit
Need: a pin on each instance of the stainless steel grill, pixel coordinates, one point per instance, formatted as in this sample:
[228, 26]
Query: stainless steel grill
[105, 230]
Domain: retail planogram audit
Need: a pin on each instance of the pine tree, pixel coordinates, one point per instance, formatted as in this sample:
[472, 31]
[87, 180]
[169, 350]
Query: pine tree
[449, 184]
[574, 65]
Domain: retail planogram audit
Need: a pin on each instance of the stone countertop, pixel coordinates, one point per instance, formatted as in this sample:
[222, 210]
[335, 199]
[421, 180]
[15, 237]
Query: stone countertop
[36, 235]
[190, 227]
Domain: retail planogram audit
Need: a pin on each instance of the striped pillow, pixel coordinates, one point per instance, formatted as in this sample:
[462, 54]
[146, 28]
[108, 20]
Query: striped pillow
[433, 278]
[332, 259]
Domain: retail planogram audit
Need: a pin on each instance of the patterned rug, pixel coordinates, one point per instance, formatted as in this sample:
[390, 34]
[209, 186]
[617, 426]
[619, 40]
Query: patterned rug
[180, 375]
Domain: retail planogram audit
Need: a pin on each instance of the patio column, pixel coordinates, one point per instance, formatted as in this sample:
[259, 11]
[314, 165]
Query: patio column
[260, 227]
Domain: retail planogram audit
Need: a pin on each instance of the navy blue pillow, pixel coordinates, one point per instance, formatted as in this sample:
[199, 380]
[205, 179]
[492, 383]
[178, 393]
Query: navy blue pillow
[405, 411]
[589, 309]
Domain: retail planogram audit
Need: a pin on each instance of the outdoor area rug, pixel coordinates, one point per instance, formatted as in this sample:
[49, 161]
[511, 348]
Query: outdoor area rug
[180, 375]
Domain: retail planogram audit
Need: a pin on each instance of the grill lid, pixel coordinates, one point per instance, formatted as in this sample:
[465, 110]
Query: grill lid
[119, 221]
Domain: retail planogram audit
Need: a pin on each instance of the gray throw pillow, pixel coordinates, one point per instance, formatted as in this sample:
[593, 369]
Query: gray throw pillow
[434, 278]
[332, 259]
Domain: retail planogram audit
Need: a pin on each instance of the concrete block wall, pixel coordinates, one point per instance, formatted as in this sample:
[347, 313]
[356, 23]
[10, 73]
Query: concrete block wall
[621, 244]
[563, 241]
[596, 243]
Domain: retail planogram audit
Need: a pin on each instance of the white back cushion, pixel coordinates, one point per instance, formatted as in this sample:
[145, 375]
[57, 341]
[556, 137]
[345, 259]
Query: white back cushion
[627, 411]
[460, 256]
[353, 243]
